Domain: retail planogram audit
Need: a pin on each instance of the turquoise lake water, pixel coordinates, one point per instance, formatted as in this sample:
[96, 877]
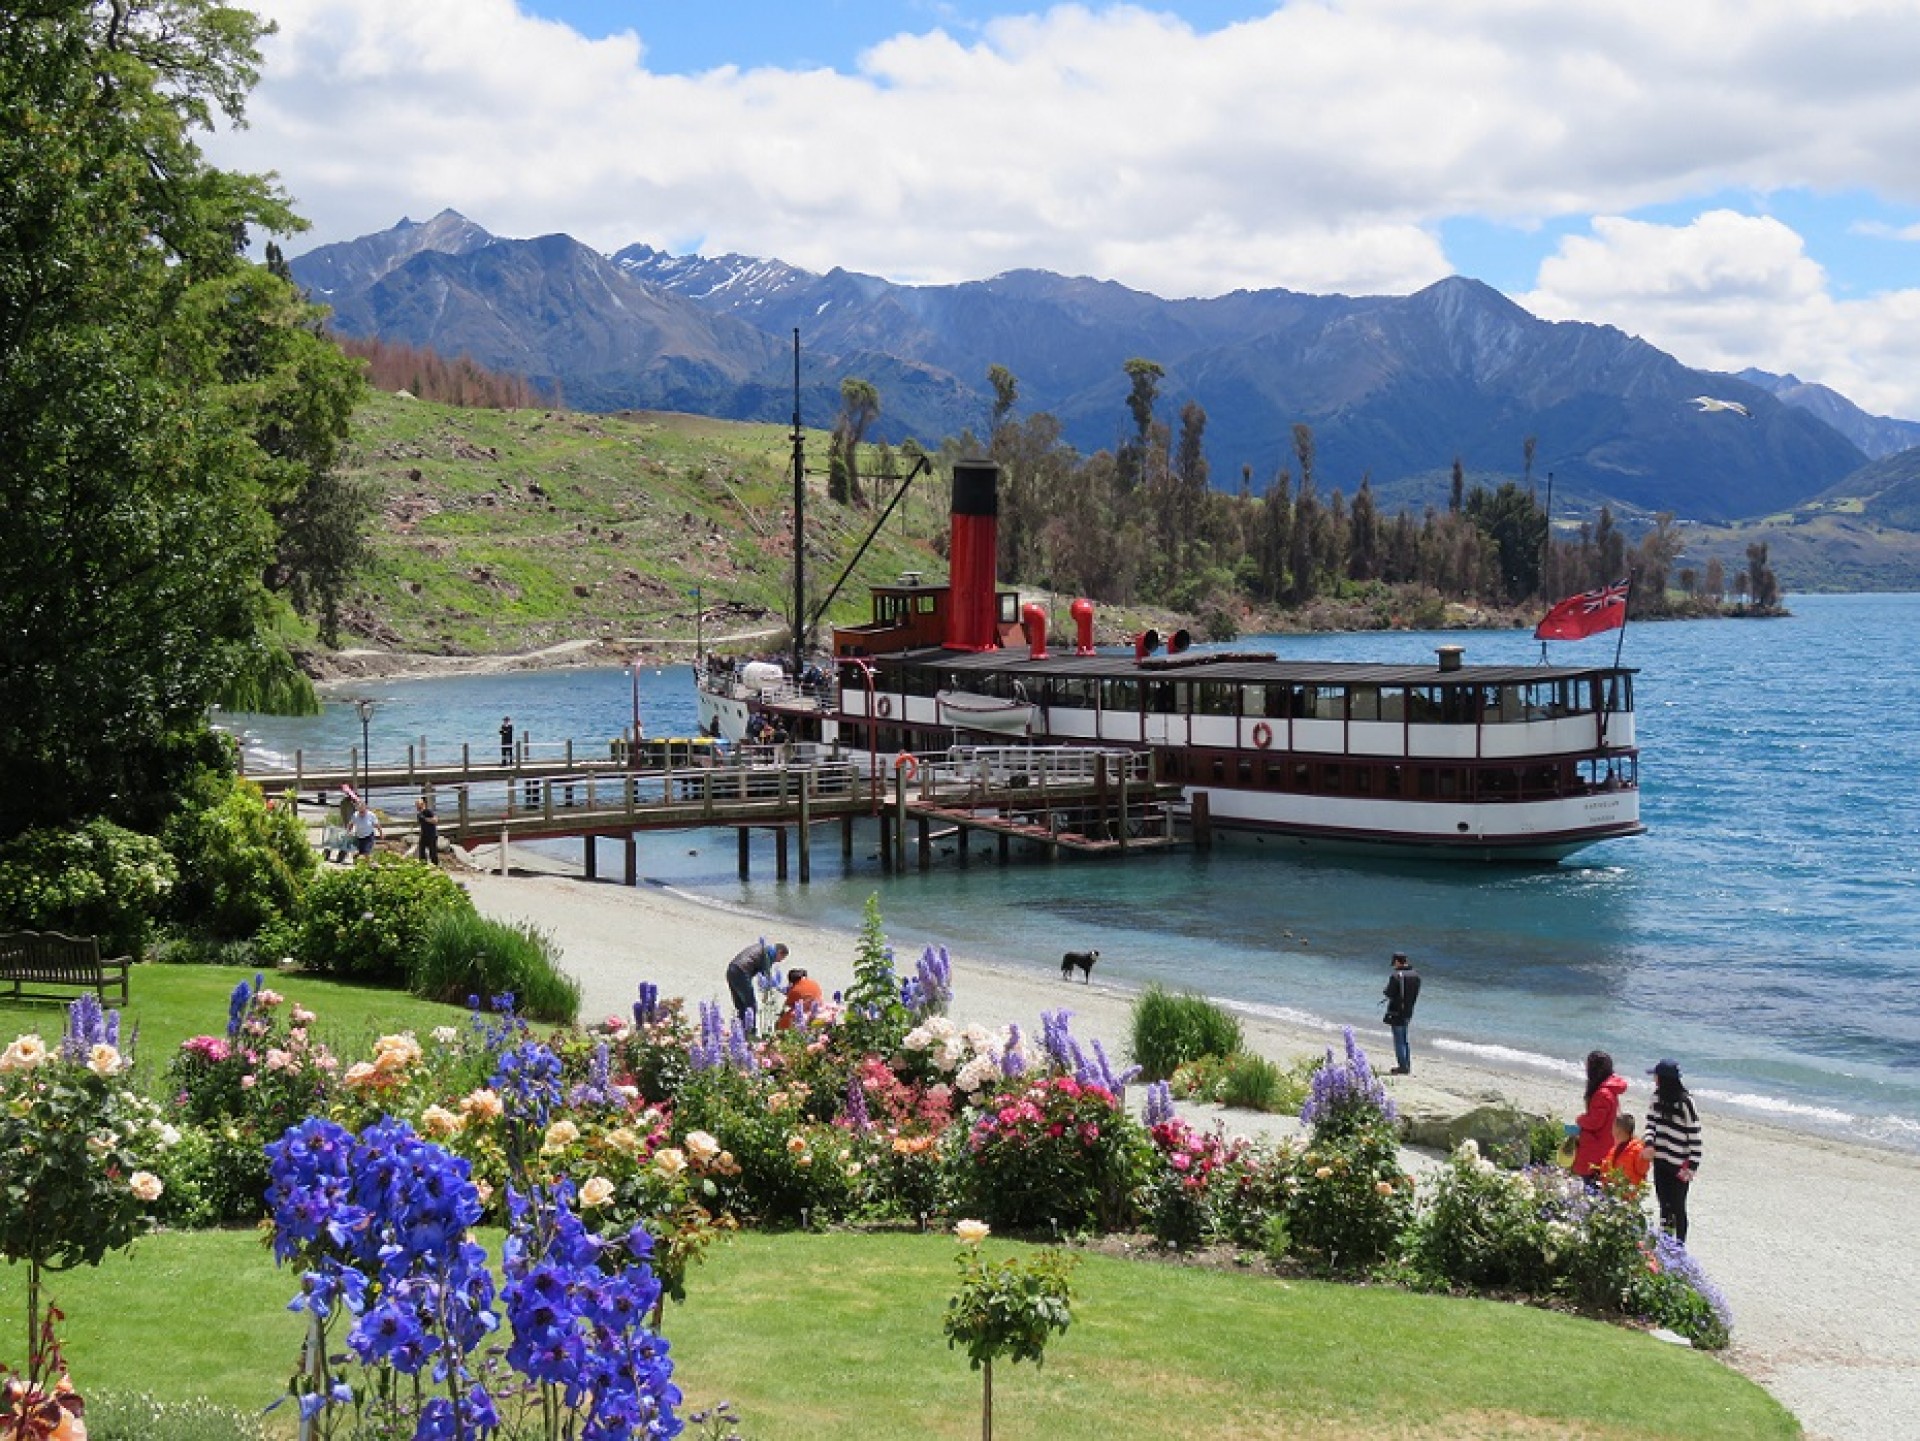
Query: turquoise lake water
[1763, 932]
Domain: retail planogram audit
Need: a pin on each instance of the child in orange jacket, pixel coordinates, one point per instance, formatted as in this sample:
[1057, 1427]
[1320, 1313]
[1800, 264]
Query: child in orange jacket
[1628, 1157]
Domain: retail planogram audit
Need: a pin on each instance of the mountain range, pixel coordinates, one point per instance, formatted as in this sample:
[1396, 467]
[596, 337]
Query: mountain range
[1395, 387]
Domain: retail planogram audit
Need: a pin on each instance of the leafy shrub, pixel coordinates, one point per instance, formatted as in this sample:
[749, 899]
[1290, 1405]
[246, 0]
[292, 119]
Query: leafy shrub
[1351, 1201]
[242, 862]
[1254, 1083]
[1206, 1188]
[466, 954]
[214, 1175]
[1674, 1292]
[1050, 1154]
[789, 1166]
[876, 1017]
[96, 879]
[1169, 1030]
[1544, 1233]
[370, 921]
[184, 950]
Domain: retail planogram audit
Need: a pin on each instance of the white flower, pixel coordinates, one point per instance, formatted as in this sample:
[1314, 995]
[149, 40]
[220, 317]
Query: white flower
[669, 1162]
[977, 1073]
[701, 1146]
[24, 1054]
[560, 1135]
[145, 1186]
[445, 1035]
[597, 1191]
[971, 1233]
[103, 1060]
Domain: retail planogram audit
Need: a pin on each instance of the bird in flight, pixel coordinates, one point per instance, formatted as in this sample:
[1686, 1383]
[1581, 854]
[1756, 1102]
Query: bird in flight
[1708, 403]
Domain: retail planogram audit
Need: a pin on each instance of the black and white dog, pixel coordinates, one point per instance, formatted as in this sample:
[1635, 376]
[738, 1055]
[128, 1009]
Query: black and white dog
[1082, 959]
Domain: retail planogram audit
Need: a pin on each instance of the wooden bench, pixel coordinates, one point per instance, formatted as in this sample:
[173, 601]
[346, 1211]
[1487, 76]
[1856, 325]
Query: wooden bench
[56, 966]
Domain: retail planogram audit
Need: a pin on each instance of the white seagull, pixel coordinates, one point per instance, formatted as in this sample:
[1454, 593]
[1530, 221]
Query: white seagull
[1708, 403]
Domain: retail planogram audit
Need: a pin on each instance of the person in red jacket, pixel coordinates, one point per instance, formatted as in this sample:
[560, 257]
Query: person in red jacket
[1605, 1087]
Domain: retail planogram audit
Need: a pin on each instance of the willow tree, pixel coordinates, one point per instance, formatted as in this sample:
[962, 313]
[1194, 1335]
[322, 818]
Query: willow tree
[159, 395]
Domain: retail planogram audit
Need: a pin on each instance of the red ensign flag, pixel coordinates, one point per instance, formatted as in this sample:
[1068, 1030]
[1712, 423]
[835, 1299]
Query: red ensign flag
[1579, 616]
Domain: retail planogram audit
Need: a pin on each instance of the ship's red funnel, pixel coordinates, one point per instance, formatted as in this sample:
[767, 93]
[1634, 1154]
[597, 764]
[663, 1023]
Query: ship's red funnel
[972, 600]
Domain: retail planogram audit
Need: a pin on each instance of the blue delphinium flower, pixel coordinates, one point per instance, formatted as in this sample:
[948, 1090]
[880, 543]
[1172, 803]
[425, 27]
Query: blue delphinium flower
[646, 1010]
[740, 1049]
[237, 1004]
[1676, 1260]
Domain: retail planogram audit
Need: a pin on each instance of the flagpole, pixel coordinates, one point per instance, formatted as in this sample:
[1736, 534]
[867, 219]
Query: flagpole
[1626, 605]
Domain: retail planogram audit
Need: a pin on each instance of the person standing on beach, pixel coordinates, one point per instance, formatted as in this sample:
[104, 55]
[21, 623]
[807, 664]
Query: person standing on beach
[756, 960]
[506, 740]
[1605, 1087]
[1673, 1135]
[1402, 993]
[428, 849]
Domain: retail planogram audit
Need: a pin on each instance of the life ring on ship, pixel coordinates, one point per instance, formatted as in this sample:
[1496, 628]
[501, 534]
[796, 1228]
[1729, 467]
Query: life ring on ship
[883, 707]
[906, 765]
[1262, 735]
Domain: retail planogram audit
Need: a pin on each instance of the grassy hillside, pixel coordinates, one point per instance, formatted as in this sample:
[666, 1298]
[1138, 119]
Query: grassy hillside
[505, 531]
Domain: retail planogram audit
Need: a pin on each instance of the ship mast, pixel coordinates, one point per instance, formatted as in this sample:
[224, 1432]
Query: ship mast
[799, 522]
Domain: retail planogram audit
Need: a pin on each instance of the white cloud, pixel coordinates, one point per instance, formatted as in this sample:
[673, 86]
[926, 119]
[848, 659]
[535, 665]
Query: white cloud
[1317, 148]
[1729, 291]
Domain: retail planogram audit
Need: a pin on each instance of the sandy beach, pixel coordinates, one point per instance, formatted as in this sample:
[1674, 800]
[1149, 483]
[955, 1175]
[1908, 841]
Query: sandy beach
[1809, 1239]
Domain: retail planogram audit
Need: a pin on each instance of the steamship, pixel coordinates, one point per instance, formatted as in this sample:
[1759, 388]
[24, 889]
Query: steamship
[1440, 760]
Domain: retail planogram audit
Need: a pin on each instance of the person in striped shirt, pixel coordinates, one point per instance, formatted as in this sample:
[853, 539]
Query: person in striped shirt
[1673, 1136]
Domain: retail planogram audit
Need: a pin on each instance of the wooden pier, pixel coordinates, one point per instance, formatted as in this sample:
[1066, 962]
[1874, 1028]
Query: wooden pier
[1059, 799]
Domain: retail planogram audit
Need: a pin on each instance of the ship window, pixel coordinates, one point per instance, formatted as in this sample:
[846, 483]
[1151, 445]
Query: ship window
[1163, 697]
[1329, 778]
[1120, 695]
[1246, 771]
[1363, 702]
[1216, 697]
[1393, 779]
[1276, 778]
[1302, 778]
[925, 604]
[1219, 769]
[1076, 694]
[1363, 780]
[1449, 784]
[1393, 704]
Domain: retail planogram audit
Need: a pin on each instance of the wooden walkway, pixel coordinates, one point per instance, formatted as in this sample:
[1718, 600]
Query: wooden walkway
[1061, 799]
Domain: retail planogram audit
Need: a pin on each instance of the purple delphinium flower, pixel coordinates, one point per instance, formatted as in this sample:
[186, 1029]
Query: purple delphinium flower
[740, 1049]
[1102, 1072]
[646, 1010]
[709, 1047]
[1676, 1260]
[87, 1026]
[1056, 1038]
[855, 1110]
[1159, 1107]
[1344, 1092]
[1013, 1060]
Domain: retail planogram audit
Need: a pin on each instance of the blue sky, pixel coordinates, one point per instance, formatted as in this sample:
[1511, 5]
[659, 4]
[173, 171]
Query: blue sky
[1735, 180]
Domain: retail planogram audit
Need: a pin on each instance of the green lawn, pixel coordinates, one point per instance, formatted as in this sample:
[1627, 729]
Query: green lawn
[839, 1336]
[171, 1003]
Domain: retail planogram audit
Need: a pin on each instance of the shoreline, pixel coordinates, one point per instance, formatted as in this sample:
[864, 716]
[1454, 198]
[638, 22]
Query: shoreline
[1805, 1234]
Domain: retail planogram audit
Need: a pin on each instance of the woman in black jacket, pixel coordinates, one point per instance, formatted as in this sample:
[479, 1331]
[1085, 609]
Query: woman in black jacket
[1673, 1138]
